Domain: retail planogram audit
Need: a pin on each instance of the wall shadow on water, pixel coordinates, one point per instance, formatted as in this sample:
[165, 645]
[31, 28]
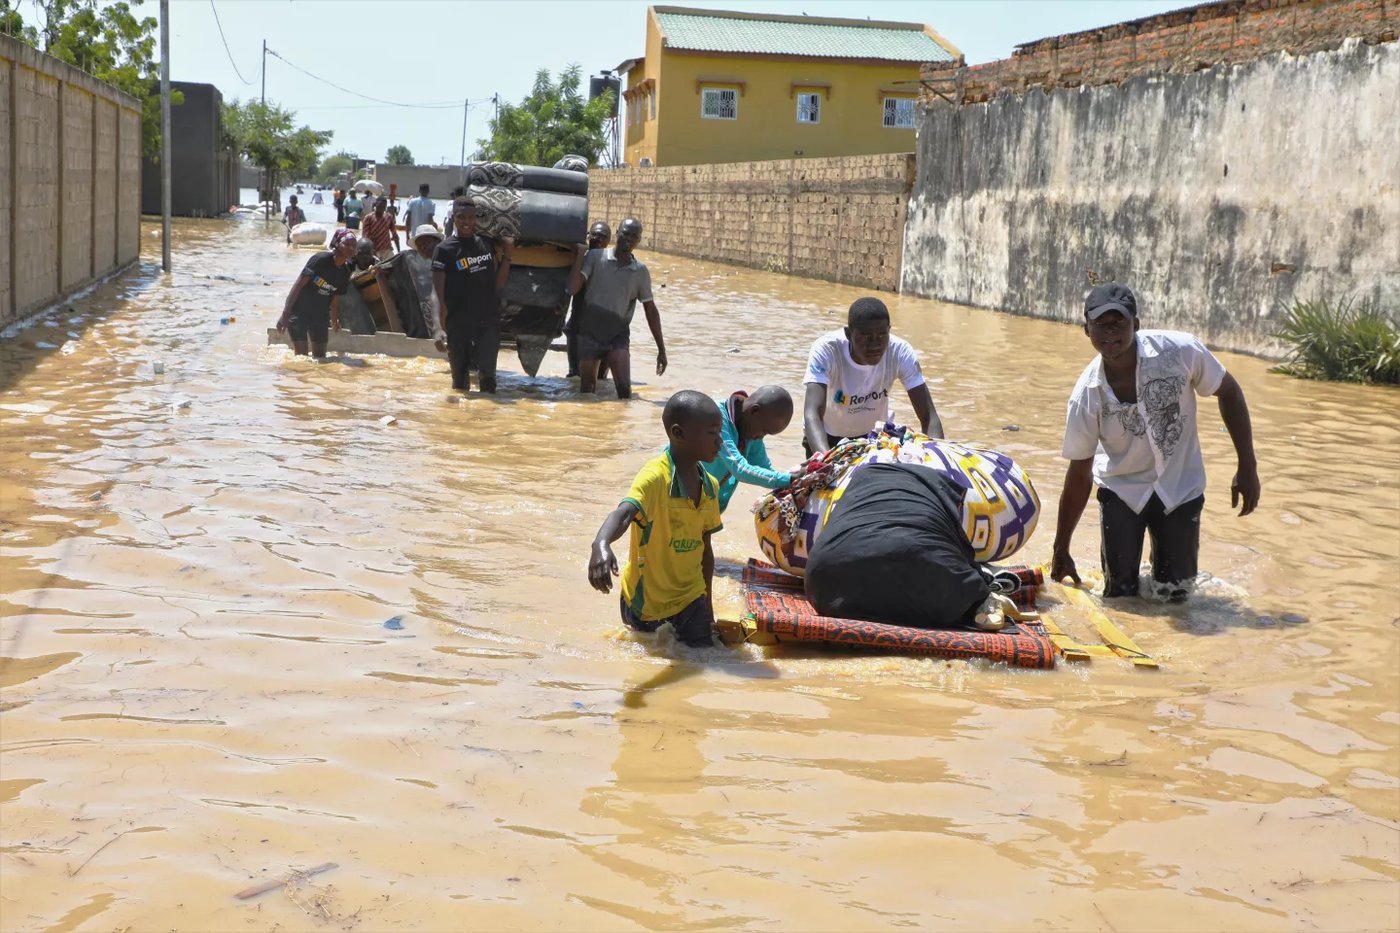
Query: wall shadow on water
[32, 340]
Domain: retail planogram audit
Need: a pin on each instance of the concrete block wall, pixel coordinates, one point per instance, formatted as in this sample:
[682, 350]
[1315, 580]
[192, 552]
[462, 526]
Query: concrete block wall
[839, 219]
[1221, 195]
[441, 179]
[70, 176]
[1180, 42]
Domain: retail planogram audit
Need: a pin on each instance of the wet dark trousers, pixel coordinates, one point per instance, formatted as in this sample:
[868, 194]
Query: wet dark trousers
[694, 625]
[473, 344]
[1176, 541]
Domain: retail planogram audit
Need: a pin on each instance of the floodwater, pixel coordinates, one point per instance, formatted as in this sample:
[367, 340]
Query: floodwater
[200, 692]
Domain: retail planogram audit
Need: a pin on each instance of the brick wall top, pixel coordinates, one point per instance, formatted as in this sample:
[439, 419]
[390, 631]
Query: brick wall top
[1182, 41]
[27, 57]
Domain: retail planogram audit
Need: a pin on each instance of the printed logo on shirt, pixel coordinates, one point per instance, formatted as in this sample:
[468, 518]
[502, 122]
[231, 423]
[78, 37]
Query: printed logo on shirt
[322, 285]
[470, 264]
[684, 545]
[854, 401]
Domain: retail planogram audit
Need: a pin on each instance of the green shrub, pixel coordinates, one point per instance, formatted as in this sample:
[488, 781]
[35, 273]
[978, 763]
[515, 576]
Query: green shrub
[1343, 340]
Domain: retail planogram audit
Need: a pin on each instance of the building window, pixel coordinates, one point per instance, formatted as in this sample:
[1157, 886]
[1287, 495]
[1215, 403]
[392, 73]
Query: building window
[719, 103]
[651, 100]
[899, 113]
[809, 108]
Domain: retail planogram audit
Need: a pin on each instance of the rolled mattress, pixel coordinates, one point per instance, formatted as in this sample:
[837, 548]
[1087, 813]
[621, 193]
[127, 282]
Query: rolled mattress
[531, 216]
[526, 178]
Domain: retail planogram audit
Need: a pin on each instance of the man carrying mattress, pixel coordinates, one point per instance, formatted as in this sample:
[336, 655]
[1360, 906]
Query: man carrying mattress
[849, 376]
[616, 280]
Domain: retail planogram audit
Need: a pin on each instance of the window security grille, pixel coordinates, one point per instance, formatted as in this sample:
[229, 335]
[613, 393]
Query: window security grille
[718, 103]
[809, 108]
[899, 112]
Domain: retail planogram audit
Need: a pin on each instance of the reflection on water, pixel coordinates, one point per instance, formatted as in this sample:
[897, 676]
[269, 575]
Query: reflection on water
[198, 563]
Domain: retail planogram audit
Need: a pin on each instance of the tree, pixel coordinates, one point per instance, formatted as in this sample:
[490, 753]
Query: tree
[266, 135]
[108, 42]
[339, 164]
[554, 120]
[398, 155]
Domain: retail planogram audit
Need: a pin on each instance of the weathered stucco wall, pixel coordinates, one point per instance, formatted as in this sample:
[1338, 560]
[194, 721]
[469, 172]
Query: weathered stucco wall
[839, 219]
[1219, 194]
[70, 151]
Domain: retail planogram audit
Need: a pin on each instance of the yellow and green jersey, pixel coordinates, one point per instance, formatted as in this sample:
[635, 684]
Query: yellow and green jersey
[665, 569]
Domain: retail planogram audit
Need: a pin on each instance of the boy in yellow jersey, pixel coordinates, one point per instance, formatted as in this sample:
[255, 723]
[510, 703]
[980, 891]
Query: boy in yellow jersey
[672, 508]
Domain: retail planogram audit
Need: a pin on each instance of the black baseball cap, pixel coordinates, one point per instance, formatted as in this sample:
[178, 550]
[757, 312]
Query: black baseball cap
[1111, 296]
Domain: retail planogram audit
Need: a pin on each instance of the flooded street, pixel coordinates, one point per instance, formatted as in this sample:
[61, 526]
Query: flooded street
[200, 693]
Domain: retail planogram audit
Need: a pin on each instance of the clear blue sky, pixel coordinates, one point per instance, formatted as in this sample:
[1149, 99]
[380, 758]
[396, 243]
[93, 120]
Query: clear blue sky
[420, 51]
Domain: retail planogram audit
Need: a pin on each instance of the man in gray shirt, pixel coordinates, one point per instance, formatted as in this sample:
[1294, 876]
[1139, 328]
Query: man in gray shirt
[617, 280]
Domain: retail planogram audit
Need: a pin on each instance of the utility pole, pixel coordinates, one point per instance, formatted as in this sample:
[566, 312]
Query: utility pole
[466, 105]
[165, 135]
[262, 188]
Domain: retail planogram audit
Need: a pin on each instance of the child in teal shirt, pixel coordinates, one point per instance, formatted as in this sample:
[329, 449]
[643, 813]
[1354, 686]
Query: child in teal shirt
[748, 419]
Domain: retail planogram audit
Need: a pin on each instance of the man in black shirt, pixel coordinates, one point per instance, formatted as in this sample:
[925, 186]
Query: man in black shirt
[313, 304]
[468, 271]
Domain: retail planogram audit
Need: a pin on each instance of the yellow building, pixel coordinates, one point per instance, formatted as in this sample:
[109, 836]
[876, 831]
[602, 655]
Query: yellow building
[717, 86]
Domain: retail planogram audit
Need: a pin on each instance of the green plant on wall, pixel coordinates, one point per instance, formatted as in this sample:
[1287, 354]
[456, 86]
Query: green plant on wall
[268, 136]
[1342, 340]
[109, 42]
[554, 120]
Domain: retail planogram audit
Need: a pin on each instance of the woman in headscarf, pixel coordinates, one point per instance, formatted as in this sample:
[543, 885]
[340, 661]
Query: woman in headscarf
[313, 304]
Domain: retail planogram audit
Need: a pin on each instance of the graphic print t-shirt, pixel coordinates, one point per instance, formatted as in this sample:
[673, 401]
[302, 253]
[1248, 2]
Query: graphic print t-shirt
[858, 397]
[470, 267]
[1149, 445]
[325, 279]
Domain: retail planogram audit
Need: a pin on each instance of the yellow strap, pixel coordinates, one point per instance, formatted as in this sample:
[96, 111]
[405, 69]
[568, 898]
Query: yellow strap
[1112, 636]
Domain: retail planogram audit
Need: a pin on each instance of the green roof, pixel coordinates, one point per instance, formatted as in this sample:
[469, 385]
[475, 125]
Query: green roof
[791, 35]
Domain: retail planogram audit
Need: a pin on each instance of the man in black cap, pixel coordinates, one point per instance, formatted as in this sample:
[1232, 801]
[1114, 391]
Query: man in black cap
[616, 281]
[1131, 431]
[599, 237]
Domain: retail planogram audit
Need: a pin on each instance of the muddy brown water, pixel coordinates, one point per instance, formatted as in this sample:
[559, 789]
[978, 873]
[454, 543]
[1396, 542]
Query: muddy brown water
[200, 693]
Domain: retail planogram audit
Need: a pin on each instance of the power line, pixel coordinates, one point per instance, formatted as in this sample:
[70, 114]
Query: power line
[226, 48]
[443, 105]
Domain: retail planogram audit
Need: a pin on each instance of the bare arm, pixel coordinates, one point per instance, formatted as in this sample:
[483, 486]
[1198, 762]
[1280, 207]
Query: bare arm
[440, 289]
[576, 272]
[504, 255]
[297, 286]
[654, 322]
[707, 564]
[929, 422]
[814, 417]
[1079, 482]
[602, 563]
[1235, 413]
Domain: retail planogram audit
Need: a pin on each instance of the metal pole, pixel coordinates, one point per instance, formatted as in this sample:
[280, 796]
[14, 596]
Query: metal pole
[262, 175]
[165, 135]
[465, 107]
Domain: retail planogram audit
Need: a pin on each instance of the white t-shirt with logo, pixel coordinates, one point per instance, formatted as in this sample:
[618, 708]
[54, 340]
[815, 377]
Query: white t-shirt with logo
[1149, 445]
[858, 397]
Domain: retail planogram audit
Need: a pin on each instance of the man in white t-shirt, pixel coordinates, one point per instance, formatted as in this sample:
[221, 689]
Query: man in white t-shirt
[1131, 431]
[849, 376]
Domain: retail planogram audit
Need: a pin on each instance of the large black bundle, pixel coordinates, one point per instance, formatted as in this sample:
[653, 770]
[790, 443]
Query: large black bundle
[893, 551]
[526, 177]
[531, 216]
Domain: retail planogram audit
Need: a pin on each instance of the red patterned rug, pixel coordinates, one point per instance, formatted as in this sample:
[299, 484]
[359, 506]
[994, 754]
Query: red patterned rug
[779, 607]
